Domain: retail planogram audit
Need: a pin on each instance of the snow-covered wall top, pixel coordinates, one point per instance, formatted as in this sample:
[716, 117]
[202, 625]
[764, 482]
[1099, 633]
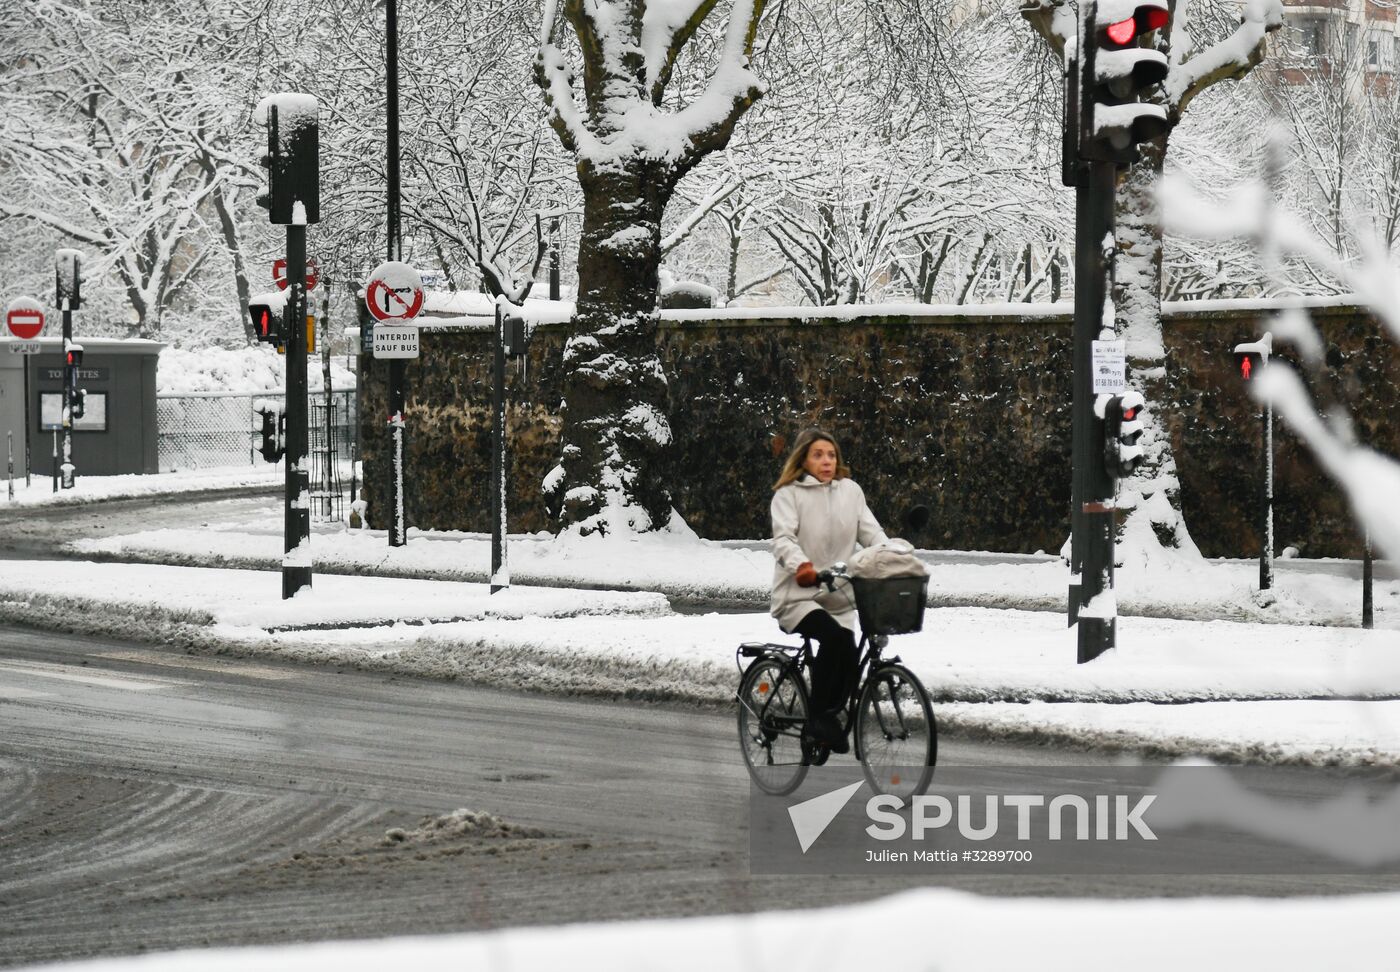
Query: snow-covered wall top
[252, 371]
[474, 310]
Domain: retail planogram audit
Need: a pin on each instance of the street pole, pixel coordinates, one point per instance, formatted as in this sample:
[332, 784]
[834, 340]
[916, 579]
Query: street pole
[327, 473]
[554, 288]
[398, 529]
[10, 445]
[498, 456]
[27, 420]
[1368, 618]
[1266, 527]
[1092, 491]
[296, 539]
[391, 49]
[67, 470]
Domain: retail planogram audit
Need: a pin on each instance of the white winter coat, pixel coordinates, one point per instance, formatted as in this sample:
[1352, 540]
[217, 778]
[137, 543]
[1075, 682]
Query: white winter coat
[820, 522]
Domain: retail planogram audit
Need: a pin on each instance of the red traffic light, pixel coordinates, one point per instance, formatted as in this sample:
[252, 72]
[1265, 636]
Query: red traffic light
[263, 322]
[1147, 17]
[1129, 414]
[1246, 366]
[1123, 31]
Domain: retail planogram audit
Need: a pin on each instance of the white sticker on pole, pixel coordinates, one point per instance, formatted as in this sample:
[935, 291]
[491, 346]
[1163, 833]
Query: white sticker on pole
[394, 292]
[1110, 366]
[395, 341]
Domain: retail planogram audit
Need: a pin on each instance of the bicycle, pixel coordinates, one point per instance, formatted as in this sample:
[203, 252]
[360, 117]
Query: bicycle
[889, 707]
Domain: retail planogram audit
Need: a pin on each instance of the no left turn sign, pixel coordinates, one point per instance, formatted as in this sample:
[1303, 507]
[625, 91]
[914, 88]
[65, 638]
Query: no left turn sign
[394, 292]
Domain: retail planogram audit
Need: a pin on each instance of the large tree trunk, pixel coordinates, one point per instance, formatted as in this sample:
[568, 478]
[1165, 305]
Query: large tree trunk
[1151, 497]
[615, 426]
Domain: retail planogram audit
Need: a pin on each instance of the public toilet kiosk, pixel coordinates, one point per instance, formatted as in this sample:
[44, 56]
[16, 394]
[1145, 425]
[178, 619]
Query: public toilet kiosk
[117, 432]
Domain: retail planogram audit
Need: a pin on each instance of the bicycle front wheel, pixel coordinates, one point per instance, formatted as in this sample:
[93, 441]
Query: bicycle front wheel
[895, 732]
[772, 711]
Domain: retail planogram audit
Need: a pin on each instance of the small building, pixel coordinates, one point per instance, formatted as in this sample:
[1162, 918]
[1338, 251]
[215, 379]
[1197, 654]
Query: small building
[117, 433]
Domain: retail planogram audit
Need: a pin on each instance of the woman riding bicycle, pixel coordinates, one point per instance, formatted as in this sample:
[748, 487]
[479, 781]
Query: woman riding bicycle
[819, 515]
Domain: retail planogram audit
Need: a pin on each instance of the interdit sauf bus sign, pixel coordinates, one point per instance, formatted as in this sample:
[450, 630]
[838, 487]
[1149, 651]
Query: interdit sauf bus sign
[1163, 819]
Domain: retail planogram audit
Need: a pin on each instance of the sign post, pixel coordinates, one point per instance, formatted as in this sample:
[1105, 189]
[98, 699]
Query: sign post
[1252, 361]
[510, 341]
[67, 274]
[500, 573]
[25, 319]
[394, 296]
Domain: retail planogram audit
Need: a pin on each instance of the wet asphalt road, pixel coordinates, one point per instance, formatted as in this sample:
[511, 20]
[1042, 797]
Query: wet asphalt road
[154, 799]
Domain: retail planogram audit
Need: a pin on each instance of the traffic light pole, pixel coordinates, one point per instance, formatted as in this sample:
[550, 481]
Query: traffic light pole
[67, 471]
[1091, 604]
[296, 561]
[1266, 528]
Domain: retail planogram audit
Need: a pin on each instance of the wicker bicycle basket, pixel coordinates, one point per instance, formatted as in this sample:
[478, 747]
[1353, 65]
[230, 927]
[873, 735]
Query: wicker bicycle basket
[890, 605]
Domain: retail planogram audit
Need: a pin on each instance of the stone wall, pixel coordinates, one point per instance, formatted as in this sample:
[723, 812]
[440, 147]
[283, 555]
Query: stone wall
[966, 414]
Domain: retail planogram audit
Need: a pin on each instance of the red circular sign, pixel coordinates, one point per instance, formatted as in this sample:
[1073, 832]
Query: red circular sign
[25, 318]
[279, 274]
[394, 292]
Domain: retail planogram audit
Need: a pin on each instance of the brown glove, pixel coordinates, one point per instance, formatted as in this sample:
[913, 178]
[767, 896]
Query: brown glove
[806, 575]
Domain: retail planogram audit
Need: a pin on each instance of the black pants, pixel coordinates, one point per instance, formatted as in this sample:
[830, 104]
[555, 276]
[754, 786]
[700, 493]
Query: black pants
[835, 667]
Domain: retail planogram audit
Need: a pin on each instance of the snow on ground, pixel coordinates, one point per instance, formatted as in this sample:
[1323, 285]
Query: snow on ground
[964, 933]
[1305, 732]
[629, 645]
[252, 370]
[686, 566]
[92, 489]
[246, 599]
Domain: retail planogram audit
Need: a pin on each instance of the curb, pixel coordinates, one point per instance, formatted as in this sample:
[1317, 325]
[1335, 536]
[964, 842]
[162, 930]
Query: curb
[705, 686]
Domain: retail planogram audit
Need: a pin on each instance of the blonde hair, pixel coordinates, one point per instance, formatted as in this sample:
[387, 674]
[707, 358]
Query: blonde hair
[793, 467]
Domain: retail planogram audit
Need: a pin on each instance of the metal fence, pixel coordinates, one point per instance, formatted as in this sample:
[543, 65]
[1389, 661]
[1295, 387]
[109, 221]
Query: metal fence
[200, 430]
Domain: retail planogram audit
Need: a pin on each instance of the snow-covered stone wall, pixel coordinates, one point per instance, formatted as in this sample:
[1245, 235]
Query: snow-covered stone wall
[965, 412]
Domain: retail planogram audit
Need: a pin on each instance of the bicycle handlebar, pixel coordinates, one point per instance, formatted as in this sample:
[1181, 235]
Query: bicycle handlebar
[831, 575]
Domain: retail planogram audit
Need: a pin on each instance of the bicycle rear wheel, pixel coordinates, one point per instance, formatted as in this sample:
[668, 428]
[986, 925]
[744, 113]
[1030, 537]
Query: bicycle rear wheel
[772, 710]
[895, 732]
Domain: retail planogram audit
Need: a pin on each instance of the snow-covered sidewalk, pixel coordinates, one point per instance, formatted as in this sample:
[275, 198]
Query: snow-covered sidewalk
[96, 489]
[686, 566]
[997, 673]
[952, 931]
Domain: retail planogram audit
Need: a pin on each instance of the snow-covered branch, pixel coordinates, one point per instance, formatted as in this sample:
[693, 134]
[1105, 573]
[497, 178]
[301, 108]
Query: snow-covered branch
[1231, 57]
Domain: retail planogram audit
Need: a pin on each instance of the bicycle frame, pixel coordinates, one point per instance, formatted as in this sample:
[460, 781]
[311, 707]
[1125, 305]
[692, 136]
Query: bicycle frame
[794, 659]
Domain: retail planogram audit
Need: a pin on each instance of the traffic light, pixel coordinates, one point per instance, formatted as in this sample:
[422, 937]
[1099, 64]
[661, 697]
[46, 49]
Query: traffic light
[1251, 357]
[68, 278]
[274, 431]
[292, 161]
[73, 356]
[1115, 69]
[1122, 422]
[78, 406]
[266, 311]
[515, 336]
